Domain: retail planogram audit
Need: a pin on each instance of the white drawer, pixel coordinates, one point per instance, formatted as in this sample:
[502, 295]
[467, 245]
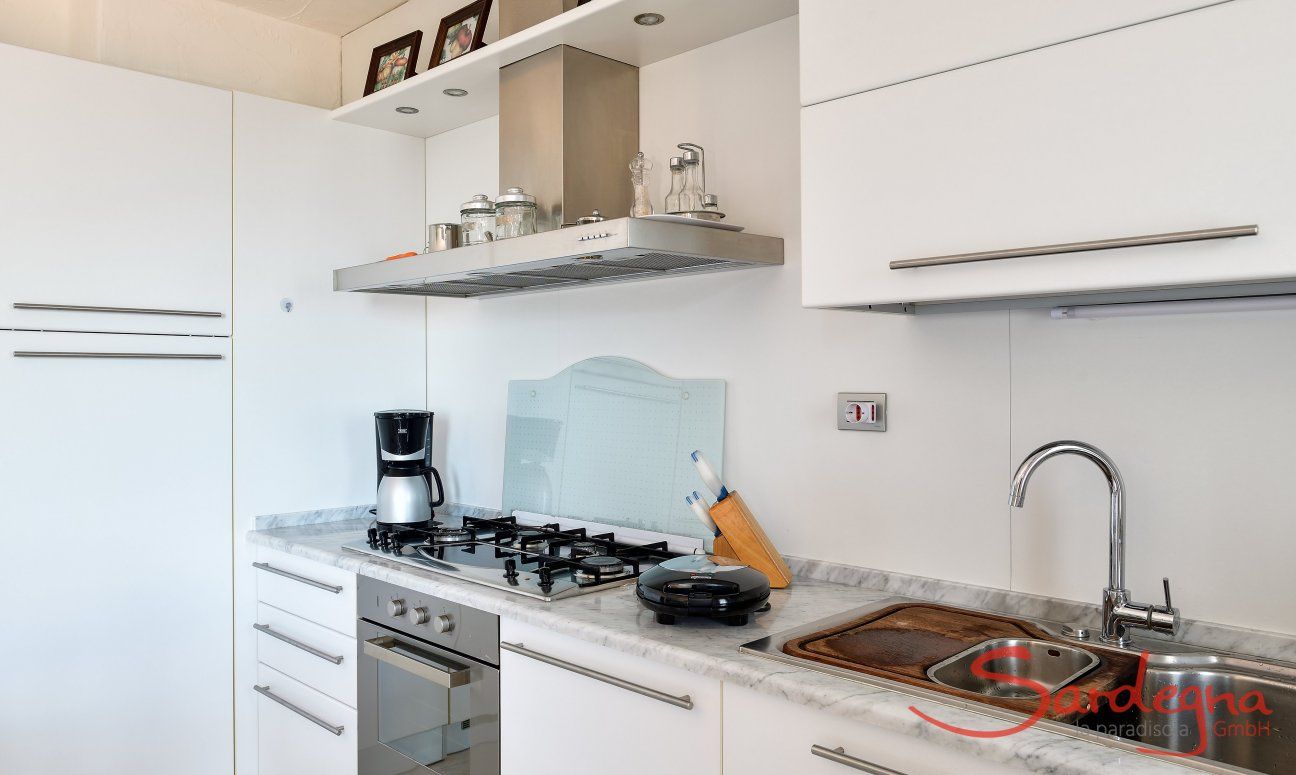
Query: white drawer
[289, 742]
[768, 734]
[321, 593]
[308, 652]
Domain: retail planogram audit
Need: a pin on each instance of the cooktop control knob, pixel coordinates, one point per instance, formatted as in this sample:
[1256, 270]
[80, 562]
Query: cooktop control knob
[443, 623]
[396, 607]
[418, 616]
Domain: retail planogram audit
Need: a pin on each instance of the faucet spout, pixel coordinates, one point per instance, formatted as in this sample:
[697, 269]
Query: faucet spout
[1115, 484]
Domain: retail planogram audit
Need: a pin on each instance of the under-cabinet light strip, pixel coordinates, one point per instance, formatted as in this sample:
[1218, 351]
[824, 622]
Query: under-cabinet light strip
[1137, 309]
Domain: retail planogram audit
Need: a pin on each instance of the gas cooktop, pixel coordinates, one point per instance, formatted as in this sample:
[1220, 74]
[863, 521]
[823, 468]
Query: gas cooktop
[542, 561]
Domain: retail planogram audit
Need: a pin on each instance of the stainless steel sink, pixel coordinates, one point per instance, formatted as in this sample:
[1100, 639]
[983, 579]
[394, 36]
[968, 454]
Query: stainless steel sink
[1254, 740]
[1228, 744]
[1051, 664]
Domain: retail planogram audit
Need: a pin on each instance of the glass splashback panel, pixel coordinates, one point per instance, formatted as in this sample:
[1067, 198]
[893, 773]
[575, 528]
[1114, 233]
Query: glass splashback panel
[608, 440]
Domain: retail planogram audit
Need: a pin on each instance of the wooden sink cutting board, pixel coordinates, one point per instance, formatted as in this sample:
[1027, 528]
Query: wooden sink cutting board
[901, 642]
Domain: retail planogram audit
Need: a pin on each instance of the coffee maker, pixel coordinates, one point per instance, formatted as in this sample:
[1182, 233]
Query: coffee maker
[405, 474]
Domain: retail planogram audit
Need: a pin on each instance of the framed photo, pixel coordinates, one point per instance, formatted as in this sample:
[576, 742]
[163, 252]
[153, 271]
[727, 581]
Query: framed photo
[460, 32]
[393, 62]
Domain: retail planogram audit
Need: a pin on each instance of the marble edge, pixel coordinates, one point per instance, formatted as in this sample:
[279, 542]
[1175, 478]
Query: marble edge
[1194, 632]
[1038, 750]
[345, 513]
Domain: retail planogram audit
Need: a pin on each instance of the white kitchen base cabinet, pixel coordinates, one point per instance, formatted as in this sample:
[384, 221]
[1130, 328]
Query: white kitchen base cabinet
[1179, 124]
[301, 730]
[764, 735]
[117, 656]
[551, 716]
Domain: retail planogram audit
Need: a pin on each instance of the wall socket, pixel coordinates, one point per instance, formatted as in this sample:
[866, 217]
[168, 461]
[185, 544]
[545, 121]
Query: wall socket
[861, 411]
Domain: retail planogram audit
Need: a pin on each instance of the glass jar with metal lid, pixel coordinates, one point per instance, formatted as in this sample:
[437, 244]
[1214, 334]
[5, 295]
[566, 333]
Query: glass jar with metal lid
[515, 214]
[477, 220]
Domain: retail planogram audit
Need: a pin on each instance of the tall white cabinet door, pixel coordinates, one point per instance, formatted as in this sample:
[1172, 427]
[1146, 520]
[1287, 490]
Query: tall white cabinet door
[551, 717]
[114, 192]
[1180, 124]
[850, 46]
[115, 565]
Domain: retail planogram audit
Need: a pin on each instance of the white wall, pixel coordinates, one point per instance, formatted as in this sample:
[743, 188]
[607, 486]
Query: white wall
[425, 15]
[310, 195]
[203, 41]
[1192, 408]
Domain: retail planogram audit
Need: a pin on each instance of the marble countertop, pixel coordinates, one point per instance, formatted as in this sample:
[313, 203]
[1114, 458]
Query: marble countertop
[615, 619]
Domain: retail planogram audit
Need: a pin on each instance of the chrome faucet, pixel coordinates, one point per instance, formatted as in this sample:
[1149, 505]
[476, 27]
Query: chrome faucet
[1120, 614]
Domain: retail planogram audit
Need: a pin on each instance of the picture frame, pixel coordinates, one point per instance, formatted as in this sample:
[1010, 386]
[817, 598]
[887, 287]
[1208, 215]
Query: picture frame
[393, 62]
[460, 32]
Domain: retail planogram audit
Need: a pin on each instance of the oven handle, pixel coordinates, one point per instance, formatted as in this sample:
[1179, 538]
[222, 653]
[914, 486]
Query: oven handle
[685, 702]
[425, 666]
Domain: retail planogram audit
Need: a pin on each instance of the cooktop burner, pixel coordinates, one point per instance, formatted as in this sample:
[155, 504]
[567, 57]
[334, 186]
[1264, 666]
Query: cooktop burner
[598, 567]
[543, 561]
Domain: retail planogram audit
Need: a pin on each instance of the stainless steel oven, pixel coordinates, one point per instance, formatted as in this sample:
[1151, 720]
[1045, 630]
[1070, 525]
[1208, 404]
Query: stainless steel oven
[428, 684]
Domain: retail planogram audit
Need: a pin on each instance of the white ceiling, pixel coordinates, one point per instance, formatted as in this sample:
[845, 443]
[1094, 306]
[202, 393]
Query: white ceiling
[336, 16]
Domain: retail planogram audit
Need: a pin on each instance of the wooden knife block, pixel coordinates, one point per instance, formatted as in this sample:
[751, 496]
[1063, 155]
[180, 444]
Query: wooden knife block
[744, 539]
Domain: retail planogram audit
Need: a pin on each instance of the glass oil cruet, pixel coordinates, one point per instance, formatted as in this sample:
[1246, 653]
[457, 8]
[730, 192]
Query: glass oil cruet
[640, 166]
[677, 184]
[694, 190]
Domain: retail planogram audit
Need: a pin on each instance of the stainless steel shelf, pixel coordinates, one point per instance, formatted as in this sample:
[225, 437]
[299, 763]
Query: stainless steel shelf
[619, 250]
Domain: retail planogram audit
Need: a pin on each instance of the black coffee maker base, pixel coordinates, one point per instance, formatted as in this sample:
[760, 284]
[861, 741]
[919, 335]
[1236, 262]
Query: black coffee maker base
[737, 620]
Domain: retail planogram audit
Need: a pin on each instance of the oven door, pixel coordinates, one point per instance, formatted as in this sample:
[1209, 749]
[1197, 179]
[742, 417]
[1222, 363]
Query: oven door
[424, 709]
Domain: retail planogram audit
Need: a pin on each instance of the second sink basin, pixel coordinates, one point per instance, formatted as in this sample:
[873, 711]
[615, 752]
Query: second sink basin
[1052, 665]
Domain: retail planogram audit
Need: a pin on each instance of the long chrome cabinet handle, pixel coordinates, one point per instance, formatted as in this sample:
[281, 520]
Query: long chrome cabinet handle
[685, 702]
[264, 691]
[296, 643]
[127, 356]
[1078, 247]
[317, 584]
[189, 313]
[448, 676]
[840, 756]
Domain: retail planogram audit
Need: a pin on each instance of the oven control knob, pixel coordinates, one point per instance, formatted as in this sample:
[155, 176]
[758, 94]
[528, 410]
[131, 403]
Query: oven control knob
[418, 615]
[443, 623]
[396, 607]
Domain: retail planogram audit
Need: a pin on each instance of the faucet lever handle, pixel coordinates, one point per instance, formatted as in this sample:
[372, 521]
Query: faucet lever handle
[1165, 584]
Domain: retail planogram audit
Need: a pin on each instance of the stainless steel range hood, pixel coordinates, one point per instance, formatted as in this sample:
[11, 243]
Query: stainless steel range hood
[612, 251]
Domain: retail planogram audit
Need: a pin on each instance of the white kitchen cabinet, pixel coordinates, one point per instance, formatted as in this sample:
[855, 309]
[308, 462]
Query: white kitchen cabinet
[764, 734]
[1180, 124]
[850, 46]
[321, 658]
[115, 564]
[311, 590]
[551, 716]
[115, 191]
[301, 730]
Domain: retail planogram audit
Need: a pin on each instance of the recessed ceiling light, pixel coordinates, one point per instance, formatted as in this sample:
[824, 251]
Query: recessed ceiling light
[649, 19]
[455, 92]
[407, 110]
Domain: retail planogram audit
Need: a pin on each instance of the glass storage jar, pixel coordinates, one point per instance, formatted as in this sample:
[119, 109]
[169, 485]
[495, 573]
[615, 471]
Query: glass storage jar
[515, 214]
[477, 220]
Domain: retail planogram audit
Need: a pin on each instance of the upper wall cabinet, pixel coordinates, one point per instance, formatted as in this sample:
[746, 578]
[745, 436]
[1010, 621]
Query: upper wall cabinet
[114, 192]
[1181, 124]
[850, 46]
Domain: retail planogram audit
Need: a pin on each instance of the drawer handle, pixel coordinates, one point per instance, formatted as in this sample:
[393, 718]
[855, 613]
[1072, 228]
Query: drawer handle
[312, 582]
[296, 643]
[840, 756]
[685, 702]
[424, 666]
[1078, 247]
[190, 313]
[264, 691]
[128, 356]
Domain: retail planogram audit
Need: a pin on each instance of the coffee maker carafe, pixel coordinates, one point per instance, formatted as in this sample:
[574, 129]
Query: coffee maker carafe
[405, 472]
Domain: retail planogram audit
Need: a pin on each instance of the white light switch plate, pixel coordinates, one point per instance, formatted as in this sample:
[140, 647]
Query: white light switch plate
[861, 411]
